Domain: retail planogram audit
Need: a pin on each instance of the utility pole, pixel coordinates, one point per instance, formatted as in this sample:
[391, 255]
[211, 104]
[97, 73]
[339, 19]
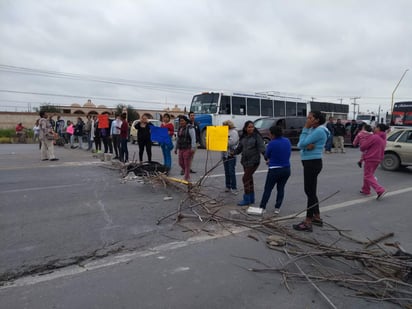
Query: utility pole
[396, 87]
[340, 99]
[354, 105]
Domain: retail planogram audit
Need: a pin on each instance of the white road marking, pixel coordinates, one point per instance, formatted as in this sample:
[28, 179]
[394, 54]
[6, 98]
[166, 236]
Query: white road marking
[41, 188]
[161, 249]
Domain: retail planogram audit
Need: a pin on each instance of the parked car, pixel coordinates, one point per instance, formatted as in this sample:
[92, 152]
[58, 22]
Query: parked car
[133, 131]
[292, 127]
[398, 151]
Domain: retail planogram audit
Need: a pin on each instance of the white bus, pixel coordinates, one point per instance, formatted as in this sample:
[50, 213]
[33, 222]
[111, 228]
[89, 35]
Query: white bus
[212, 108]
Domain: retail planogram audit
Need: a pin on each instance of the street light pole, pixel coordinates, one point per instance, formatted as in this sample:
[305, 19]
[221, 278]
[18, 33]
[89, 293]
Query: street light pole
[393, 93]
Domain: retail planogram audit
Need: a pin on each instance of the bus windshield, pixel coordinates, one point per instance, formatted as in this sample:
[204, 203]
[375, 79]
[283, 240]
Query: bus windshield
[205, 103]
[402, 114]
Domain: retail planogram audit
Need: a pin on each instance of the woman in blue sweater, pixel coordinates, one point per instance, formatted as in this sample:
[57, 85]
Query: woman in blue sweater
[311, 143]
[277, 157]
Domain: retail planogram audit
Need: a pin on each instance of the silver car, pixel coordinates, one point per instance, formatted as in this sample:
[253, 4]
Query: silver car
[398, 151]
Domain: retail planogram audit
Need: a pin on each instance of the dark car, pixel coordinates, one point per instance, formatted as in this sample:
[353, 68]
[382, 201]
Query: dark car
[292, 127]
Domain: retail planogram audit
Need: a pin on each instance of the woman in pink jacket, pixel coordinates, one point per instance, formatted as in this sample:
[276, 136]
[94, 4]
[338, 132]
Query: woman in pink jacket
[373, 150]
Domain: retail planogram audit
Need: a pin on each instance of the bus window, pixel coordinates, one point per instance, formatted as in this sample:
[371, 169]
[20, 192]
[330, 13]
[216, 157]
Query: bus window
[290, 109]
[408, 119]
[279, 108]
[225, 105]
[238, 106]
[253, 107]
[266, 107]
[302, 109]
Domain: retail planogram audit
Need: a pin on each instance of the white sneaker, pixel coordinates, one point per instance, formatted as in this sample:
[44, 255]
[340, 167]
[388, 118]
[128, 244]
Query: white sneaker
[277, 211]
[234, 191]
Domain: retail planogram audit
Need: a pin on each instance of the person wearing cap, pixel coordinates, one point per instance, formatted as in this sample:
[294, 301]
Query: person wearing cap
[186, 145]
[229, 159]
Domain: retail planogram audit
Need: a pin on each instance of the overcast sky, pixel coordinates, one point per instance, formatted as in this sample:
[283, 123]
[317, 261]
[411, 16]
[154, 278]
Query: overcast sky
[158, 53]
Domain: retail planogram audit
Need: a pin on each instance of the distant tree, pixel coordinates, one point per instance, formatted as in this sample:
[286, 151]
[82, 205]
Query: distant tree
[49, 108]
[132, 114]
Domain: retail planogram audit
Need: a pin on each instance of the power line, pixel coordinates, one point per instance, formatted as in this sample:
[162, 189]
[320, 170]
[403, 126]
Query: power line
[79, 96]
[164, 87]
[108, 80]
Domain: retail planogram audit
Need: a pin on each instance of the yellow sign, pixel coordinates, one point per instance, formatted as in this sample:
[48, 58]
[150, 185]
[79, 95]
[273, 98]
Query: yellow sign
[217, 138]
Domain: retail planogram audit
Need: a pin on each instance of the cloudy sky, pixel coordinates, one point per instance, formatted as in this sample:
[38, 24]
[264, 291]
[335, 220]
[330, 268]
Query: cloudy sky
[158, 53]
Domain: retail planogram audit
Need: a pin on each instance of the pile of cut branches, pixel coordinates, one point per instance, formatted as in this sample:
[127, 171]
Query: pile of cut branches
[371, 269]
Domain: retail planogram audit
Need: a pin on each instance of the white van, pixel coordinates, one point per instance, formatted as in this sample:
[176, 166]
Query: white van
[369, 119]
[133, 131]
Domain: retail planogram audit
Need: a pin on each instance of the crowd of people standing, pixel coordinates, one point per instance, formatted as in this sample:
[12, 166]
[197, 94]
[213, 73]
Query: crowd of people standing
[316, 138]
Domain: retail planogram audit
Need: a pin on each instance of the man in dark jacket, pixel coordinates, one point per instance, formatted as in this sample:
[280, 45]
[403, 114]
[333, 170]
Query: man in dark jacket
[338, 136]
[331, 127]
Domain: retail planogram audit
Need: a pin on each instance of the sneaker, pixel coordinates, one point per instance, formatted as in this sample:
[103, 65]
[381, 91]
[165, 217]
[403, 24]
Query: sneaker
[317, 221]
[54, 159]
[277, 211]
[234, 191]
[192, 171]
[303, 227]
[381, 195]
[360, 164]
[182, 172]
[227, 190]
[364, 193]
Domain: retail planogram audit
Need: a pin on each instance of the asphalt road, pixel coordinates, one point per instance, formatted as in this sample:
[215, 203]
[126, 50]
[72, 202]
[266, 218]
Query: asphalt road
[75, 234]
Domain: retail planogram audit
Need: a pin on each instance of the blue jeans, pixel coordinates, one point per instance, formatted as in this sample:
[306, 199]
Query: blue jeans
[167, 154]
[230, 174]
[124, 152]
[328, 145]
[275, 176]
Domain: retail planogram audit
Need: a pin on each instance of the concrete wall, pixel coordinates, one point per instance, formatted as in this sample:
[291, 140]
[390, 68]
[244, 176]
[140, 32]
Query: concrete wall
[9, 120]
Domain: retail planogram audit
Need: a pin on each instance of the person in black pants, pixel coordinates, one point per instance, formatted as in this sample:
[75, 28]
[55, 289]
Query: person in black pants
[144, 138]
[311, 143]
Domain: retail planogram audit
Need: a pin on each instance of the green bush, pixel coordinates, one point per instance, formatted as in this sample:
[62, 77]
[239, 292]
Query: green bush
[7, 132]
[12, 133]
